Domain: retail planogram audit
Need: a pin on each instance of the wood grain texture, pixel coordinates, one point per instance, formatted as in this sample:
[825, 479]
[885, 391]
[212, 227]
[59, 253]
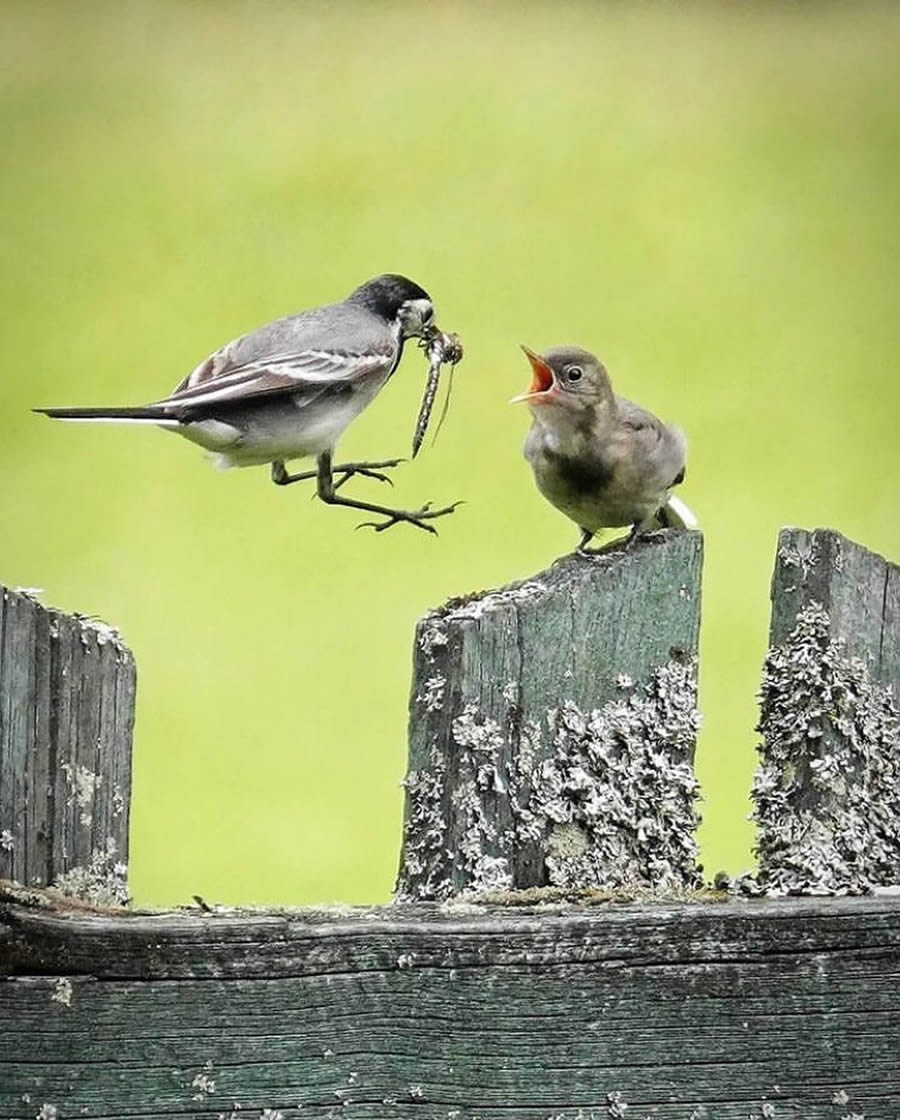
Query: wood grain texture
[552, 728]
[827, 792]
[720, 1011]
[66, 716]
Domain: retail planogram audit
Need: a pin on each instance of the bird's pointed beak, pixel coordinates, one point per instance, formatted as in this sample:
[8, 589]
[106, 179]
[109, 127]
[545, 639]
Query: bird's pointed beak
[541, 380]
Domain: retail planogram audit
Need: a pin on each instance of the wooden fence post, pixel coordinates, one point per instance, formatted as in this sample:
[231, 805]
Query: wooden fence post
[66, 716]
[552, 729]
[827, 791]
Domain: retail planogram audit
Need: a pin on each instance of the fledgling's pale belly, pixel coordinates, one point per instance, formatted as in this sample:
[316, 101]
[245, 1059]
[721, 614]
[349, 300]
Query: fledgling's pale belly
[609, 507]
[595, 493]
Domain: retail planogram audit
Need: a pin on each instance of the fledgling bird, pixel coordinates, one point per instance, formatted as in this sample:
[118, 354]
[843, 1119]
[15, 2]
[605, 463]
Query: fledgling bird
[601, 460]
[289, 389]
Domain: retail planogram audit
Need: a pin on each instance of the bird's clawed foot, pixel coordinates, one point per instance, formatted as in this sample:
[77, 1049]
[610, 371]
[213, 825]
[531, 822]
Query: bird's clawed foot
[346, 471]
[417, 517]
[620, 544]
[365, 470]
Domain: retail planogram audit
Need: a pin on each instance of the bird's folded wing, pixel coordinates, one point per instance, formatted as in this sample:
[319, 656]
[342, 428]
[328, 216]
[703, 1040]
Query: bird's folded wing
[217, 381]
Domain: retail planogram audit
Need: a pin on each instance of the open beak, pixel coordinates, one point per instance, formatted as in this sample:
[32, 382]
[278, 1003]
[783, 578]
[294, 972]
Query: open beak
[541, 380]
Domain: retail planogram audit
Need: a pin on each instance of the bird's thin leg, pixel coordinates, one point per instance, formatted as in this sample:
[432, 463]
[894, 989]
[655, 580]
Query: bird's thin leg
[586, 537]
[636, 530]
[281, 477]
[418, 517]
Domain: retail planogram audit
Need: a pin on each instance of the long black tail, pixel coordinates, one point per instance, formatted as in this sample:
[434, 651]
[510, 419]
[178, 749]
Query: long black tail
[147, 414]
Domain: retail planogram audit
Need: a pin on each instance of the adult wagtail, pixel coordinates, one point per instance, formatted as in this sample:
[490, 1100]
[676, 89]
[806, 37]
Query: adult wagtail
[601, 460]
[289, 389]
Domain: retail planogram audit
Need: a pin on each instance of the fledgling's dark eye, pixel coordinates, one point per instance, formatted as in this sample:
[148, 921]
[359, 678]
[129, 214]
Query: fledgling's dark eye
[574, 373]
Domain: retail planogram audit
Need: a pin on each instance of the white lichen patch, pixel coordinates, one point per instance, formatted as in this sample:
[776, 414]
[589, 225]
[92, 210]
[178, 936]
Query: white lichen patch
[477, 732]
[827, 790]
[479, 605]
[620, 779]
[803, 556]
[62, 991]
[600, 798]
[105, 633]
[432, 694]
[617, 1106]
[568, 841]
[7, 840]
[47, 1112]
[83, 785]
[102, 883]
[491, 873]
[432, 635]
[203, 1084]
[424, 833]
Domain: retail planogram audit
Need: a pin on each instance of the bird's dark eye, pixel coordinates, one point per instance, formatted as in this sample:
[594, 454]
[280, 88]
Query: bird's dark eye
[574, 373]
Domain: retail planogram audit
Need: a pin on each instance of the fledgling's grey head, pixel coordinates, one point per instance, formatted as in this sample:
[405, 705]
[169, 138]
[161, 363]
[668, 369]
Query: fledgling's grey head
[570, 395]
[397, 299]
[567, 377]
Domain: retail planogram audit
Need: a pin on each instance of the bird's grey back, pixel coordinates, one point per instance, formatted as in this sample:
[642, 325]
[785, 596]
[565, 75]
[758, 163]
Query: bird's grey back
[355, 326]
[359, 330]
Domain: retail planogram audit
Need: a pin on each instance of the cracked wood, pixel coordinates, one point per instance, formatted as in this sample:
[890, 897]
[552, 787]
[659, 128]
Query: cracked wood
[455, 1012]
[67, 688]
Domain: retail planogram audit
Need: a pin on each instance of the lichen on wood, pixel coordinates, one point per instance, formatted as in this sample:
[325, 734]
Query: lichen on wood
[827, 790]
[67, 687]
[561, 751]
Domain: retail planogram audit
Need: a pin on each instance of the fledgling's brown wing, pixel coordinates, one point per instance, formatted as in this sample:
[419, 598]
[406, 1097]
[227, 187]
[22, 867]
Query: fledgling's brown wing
[664, 445]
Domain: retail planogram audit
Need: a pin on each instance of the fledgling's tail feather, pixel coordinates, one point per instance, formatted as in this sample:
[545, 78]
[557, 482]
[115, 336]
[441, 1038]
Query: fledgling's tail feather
[147, 414]
[676, 515]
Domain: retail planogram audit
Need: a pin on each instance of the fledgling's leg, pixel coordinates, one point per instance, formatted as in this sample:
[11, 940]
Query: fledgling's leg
[636, 529]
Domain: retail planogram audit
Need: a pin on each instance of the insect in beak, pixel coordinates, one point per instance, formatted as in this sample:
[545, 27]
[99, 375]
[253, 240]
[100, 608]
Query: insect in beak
[442, 349]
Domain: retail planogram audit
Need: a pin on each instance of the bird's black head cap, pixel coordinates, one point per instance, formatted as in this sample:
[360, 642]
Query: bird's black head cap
[386, 294]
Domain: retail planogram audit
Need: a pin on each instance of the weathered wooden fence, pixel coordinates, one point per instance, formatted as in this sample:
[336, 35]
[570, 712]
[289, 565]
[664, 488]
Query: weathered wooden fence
[552, 954]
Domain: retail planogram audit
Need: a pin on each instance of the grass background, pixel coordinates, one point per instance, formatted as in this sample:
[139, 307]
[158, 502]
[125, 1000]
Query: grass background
[705, 194]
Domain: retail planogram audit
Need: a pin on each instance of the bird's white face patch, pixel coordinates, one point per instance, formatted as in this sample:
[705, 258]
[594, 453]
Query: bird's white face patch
[414, 316]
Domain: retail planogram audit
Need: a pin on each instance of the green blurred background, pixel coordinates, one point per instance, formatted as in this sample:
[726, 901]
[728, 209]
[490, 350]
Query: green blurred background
[706, 194]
